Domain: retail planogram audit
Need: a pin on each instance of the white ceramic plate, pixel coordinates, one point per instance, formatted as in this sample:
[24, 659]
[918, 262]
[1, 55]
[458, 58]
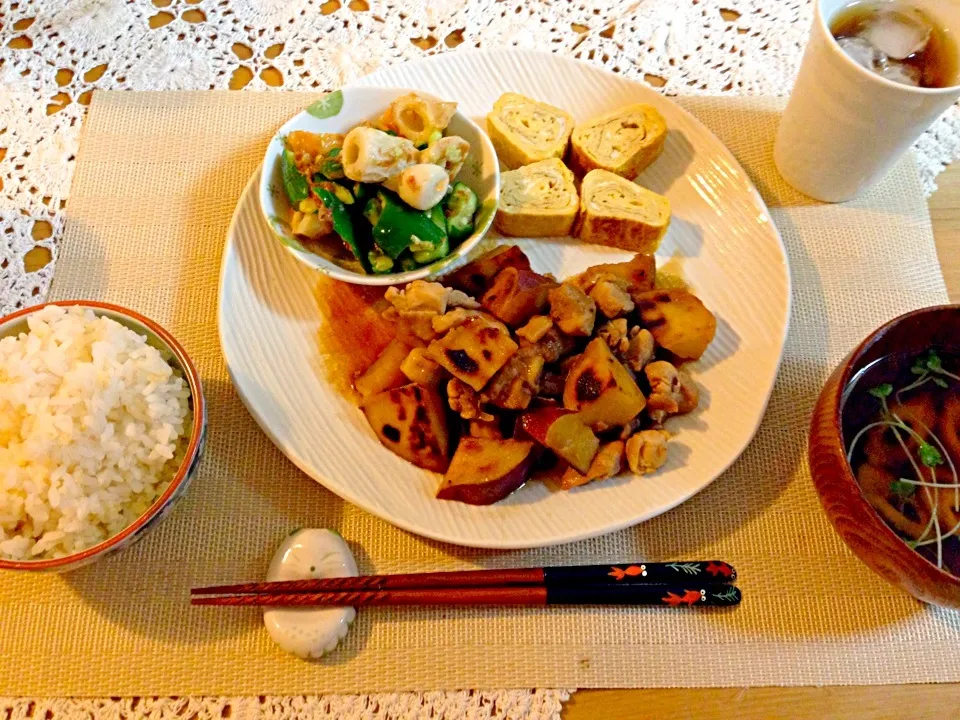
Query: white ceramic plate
[722, 241]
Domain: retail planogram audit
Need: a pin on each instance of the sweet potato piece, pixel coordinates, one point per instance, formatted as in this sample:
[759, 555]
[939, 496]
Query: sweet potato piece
[385, 372]
[517, 295]
[476, 276]
[564, 432]
[678, 321]
[601, 389]
[485, 470]
[474, 351]
[411, 421]
[639, 274]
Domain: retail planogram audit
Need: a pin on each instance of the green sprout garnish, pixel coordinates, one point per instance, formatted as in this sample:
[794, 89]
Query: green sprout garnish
[902, 488]
[929, 455]
[882, 391]
[922, 448]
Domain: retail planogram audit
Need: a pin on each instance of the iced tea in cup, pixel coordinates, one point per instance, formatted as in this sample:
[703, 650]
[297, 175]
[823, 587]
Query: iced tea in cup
[874, 76]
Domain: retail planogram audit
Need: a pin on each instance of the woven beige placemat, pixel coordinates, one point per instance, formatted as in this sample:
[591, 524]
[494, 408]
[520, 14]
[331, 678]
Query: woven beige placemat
[156, 183]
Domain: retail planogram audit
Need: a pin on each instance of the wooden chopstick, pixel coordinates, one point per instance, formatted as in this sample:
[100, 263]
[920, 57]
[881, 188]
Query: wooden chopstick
[693, 572]
[687, 595]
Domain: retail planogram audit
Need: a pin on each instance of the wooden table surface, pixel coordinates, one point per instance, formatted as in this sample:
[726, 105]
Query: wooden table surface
[902, 701]
[916, 702]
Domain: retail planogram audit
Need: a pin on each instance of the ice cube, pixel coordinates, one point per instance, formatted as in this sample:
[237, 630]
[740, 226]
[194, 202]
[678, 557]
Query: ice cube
[861, 52]
[901, 73]
[897, 34]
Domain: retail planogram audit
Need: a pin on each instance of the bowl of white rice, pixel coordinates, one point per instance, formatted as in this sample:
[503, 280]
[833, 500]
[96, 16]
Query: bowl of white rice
[102, 425]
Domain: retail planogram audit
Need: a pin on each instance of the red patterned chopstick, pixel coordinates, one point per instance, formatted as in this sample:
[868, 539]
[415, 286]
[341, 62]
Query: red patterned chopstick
[692, 572]
[665, 595]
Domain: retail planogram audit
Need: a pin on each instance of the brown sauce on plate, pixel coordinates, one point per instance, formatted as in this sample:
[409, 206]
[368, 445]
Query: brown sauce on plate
[353, 333]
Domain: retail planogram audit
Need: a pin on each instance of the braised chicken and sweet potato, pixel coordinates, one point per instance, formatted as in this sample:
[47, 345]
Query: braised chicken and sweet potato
[500, 374]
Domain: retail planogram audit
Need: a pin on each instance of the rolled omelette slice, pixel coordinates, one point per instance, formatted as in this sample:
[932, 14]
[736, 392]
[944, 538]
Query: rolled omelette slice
[538, 200]
[615, 211]
[525, 131]
[624, 141]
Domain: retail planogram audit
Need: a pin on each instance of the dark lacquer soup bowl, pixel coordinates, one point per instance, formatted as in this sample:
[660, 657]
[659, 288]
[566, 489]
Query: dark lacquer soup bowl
[862, 528]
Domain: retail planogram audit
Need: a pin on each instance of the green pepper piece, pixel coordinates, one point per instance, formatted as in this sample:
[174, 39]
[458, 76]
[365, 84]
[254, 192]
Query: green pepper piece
[342, 222]
[400, 226]
[332, 169]
[428, 256]
[380, 264]
[436, 214]
[294, 183]
[459, 207]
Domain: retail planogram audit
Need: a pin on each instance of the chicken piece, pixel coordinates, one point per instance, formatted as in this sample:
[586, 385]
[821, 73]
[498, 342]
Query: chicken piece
[665, 396]
[573, 311]
[517, 382]
[606, 463]
[450, 320]
[640, 350]
[612, 298]
[615, 335]
[647, 451]
[466, 402]
[551, 383]
[634, 348]
[689, 394]
[418, 296]
[553, 345]
[485, 429]
[428, 297]
[535, 328]
[630, 428]
[420, 302]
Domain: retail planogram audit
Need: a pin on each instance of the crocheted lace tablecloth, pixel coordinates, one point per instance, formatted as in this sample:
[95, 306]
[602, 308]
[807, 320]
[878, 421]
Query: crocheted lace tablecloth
[55, 53]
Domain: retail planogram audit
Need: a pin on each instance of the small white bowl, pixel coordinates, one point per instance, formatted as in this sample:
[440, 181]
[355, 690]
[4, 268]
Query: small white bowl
[341, 111]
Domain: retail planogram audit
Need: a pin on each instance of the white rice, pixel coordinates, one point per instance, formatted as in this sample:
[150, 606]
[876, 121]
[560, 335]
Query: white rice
[93, 423]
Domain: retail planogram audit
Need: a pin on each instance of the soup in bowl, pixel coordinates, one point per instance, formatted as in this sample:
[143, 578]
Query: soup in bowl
[885, 452]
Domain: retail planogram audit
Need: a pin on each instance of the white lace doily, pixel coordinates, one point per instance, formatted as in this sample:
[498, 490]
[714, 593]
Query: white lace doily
[475, 705]
[54, 53]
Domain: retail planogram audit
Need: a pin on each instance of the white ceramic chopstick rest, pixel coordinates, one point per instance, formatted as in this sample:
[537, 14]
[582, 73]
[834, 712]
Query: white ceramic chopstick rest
[310, 632]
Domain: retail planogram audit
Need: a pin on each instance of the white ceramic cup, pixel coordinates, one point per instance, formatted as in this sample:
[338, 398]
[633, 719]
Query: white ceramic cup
[845, 126]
